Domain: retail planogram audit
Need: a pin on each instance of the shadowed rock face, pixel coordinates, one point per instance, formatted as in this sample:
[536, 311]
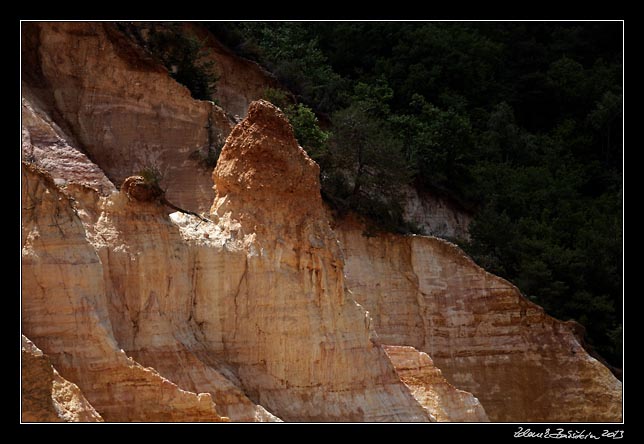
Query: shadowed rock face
[120, 107]
[434, 215]
[240, 81]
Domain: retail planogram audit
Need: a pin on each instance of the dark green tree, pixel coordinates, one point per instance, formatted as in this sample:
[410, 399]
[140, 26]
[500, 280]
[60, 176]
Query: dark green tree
[183, 55]
[305, 124]
[369, 154]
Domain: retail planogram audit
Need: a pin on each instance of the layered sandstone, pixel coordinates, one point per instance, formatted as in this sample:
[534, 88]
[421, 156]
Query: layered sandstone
[121, 107]
[47, 396]
[443, 401]
[65, 310]
[45, 144]
[487, 338]
[155, 317]
[152, 282]
[118, 274]
[301, 345]
[158, 317]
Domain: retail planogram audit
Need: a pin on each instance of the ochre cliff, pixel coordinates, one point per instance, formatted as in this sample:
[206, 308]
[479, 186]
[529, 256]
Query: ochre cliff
[260, 313]
[121, 107]
[302, 347]
[160, 318]
[65, 312]
[522, 364]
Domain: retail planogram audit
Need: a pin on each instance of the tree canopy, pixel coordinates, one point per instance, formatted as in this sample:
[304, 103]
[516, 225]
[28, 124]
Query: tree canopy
[519, 122]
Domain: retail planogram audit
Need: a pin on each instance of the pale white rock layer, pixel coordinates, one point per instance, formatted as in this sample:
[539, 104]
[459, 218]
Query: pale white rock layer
[45, 395]
[434, 215]
[441, 399]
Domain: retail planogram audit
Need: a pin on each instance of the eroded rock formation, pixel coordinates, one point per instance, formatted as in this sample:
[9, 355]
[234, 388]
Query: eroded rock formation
[479, 330]
[170, 317]
[302, 347]
[121, 107]
[66, 312]
[155, 317]
[47, 396]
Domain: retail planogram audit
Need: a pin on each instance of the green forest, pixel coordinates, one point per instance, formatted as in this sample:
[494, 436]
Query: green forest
[519, 123]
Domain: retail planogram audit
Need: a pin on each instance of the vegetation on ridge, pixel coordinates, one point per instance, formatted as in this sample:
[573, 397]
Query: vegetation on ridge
[182, 54]
[519, 122]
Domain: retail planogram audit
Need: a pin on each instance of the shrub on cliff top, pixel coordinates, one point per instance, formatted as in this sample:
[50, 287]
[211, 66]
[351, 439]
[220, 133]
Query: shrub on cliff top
[151, 175]
[183, 56]
[304, 122]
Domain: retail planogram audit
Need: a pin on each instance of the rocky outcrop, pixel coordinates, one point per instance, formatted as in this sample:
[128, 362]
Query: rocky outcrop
[115, 288]
[302, 347]
[48, 397]
[488, 339]
[65, 310]
[443, 401]
[249, 316]
[155, 317]
[433, 215]
[121, 108]
[140, 189]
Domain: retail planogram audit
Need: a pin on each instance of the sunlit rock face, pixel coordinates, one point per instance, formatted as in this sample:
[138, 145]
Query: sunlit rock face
[485, 336]
[257, 313]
